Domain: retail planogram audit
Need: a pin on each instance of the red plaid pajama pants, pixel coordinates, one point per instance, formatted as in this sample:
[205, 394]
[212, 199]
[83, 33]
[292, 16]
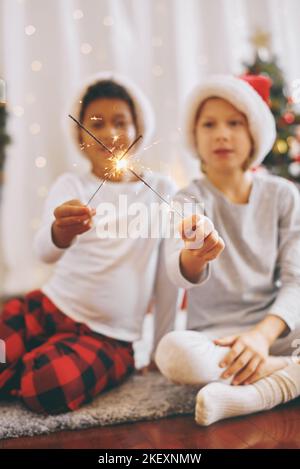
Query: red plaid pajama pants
[53, 363]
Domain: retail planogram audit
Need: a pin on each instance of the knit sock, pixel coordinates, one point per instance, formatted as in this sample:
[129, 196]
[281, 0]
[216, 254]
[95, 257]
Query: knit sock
[218, 401]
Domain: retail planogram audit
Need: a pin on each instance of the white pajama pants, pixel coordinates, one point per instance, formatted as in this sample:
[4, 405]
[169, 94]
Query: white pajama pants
[191, 357]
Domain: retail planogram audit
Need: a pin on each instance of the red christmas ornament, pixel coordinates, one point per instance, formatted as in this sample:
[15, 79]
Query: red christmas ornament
[289, 117]
[261, 83]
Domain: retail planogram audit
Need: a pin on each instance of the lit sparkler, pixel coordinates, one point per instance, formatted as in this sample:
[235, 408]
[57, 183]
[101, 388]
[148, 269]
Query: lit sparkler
[121, 165]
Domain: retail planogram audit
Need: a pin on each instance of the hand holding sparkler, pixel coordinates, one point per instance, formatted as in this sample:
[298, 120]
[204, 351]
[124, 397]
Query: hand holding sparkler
[194, 230]
[72, 218]
[202, 245]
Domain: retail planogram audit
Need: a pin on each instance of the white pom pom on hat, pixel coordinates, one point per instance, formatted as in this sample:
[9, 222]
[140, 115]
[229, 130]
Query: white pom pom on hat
[250, 95]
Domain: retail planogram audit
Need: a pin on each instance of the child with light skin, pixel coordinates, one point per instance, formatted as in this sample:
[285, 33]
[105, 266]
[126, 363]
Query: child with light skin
[242, 270]
[73, 338]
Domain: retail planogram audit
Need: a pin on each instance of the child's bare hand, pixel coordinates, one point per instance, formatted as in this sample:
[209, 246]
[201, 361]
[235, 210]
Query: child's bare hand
[72, 218]
[201, 238]
[202, 244]
[248, 353]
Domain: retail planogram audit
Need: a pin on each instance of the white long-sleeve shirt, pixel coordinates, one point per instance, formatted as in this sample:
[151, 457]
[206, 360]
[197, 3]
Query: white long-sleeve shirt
[259, 270]
[108, 283]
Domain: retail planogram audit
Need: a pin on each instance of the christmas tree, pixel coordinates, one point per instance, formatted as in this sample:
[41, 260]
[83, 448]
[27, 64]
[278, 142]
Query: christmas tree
[4, 139]
[284, 159]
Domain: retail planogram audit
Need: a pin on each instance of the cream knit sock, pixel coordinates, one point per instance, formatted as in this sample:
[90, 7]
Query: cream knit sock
[218, 401]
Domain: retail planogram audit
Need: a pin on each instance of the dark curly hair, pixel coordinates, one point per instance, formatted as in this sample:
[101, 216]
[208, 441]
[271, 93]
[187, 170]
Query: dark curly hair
[107, 89]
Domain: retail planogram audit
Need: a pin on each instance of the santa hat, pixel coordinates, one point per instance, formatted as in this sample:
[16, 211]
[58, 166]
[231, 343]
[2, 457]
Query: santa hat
[143, 108]
[250, 95]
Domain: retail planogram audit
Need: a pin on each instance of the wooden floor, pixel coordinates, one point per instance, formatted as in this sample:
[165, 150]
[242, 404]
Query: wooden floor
[278, 428]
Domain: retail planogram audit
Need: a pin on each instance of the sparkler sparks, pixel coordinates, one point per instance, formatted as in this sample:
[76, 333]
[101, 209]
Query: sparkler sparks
[121, 164]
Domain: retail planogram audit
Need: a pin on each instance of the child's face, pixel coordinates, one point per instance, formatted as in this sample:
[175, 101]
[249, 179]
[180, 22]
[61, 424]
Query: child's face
[111, 121]
[222, 136]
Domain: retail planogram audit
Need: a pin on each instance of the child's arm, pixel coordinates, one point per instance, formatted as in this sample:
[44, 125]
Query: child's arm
[287, 303]
[188, 255]
[202, 245]
[250, 349]
[55, 235]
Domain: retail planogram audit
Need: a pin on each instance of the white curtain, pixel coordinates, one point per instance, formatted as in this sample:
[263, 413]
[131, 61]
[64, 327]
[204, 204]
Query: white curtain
[48, 47]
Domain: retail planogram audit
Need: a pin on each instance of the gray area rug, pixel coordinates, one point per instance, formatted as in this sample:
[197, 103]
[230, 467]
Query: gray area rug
[139, 398]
